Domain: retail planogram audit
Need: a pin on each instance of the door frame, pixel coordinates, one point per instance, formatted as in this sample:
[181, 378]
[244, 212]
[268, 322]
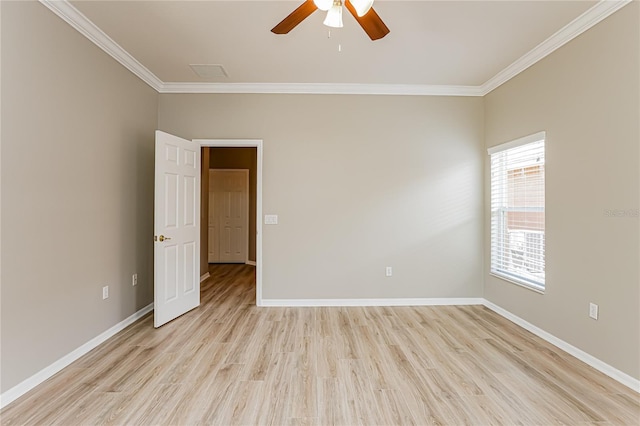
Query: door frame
[257, 144]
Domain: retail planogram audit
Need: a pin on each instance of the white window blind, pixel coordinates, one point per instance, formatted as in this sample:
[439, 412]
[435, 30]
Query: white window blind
[517, 211]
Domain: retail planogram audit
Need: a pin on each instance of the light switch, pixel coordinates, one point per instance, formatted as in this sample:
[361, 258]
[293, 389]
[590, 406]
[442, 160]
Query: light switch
[270, 219]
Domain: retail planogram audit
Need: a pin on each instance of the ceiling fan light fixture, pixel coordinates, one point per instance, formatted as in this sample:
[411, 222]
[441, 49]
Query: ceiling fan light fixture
[323, 4]
[370, 21]
[334, 15]
[362, 7]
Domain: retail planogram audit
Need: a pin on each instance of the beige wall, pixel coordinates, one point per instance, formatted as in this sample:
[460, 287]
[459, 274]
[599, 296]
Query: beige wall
[586, 97]
[359, 183]
[77, 190]
[240, 158]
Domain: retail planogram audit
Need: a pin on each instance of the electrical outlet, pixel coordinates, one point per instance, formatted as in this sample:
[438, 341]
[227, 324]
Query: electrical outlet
[388, 271]
[105, 292]
[134, 279]
[593, 311]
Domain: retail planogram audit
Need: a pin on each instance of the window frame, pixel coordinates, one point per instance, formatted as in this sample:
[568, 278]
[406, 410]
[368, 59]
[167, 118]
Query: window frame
[509, 275]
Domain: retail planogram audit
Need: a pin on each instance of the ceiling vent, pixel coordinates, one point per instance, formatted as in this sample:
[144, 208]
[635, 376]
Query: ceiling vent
[209, 70]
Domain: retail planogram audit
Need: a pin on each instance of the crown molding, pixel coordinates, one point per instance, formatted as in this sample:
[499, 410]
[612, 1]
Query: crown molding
[573, 29]
[322, 89]
[84, 26]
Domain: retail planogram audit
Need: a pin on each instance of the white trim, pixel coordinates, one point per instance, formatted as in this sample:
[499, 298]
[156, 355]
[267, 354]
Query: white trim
[323, 89]
[204, 277]
[573, 29]
[536, 137]
[257, 144]
[374, 302]
[84, 26]
[594, 362]
[522, 284]
[250, 262]
[42, 375]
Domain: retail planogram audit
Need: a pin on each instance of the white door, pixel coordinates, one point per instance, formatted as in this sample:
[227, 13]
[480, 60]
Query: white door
[177, 227]
[228, 215]
[214, 242]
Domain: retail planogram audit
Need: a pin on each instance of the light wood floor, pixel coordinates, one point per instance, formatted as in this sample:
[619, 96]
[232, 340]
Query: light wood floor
[230, 362]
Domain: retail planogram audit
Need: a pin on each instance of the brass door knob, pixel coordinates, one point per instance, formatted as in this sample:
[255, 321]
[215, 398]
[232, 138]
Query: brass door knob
[163, 238]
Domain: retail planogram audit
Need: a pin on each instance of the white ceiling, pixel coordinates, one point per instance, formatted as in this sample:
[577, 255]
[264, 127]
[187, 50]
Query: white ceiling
[433, 43]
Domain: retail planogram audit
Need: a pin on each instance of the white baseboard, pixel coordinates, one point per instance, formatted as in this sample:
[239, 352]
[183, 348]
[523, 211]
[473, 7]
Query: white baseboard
[28, 384]
[42, 375]
[251, 262]
[594, 362]
[372, 302]
[205, 277]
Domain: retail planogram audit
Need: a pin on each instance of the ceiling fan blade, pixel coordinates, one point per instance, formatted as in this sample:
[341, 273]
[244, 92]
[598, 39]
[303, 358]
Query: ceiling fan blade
[370, 23]
[295, 17]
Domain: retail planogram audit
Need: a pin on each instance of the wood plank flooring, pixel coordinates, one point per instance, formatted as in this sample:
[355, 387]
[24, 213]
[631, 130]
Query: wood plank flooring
[232, 363]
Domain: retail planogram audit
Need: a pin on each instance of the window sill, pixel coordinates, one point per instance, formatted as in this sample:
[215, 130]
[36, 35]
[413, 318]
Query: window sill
[522, 284]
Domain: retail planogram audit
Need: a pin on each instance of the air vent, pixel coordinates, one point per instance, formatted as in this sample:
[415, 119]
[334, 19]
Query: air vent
[209, 70]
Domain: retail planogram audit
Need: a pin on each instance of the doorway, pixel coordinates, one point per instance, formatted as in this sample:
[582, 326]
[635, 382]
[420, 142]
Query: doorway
[234, 147]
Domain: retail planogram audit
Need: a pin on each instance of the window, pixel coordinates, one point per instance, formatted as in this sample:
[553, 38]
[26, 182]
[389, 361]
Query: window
[517, 211]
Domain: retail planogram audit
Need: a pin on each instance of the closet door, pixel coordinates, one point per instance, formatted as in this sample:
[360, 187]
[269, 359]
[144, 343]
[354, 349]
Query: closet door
[229, 216]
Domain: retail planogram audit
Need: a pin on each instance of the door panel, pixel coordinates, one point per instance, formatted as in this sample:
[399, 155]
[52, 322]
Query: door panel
[213, 251]
[213, 256]
[177, 227]
[189, 201]
[170, 272]
[170, 206]
[190, 271]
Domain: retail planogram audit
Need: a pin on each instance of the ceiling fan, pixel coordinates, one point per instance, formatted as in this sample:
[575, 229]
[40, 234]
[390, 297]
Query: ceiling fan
[360, 9]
